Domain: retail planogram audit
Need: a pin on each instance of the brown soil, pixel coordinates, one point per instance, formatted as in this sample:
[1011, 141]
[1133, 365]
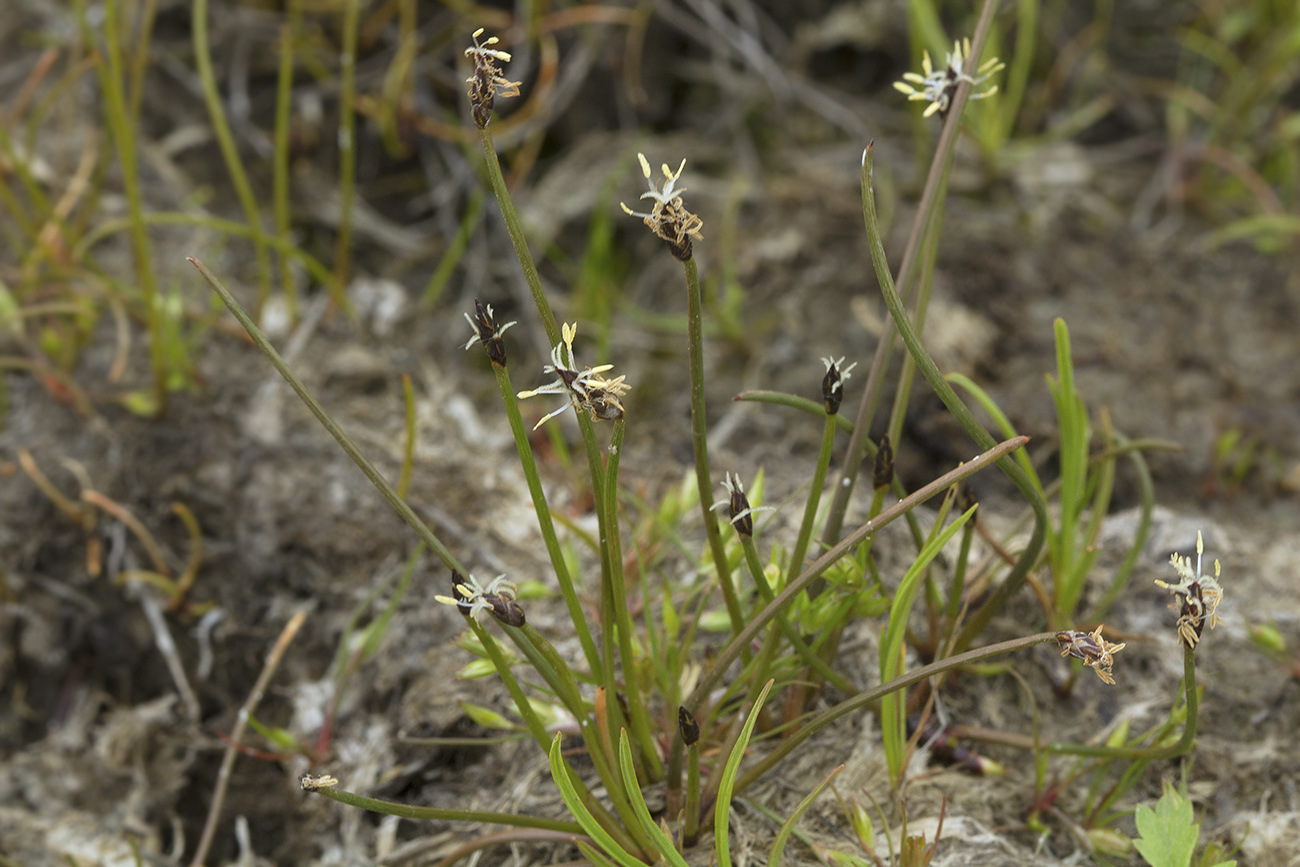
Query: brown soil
[99, 750]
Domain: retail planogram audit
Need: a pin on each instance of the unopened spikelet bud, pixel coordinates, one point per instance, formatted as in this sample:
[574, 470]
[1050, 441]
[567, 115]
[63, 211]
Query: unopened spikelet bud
[882, 476]
[487, 79]
[833, 383]
[687, 725]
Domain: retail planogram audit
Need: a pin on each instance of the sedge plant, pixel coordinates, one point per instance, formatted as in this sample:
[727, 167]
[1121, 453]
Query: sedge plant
[648, 705]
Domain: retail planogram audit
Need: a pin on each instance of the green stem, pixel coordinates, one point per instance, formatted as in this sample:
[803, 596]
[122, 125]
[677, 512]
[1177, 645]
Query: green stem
[544, 523]
[930, 371]
[733, 649]
[535, 726]
[111, 77]
[691, 829]
[700, 443]
[410, 811]
[346, 442]
[814, 498]
[347, 138]
[880, 363]
[229, 150]
[613, 544]
[873, 695]
[516, 231]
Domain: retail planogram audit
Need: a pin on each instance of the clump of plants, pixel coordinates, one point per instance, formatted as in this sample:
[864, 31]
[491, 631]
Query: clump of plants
[644, 701]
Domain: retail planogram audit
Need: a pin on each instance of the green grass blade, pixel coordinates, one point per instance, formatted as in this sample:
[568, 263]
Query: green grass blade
[633, 789]
[892, 724]
[722, 814]
[560, 773]
[787, 827]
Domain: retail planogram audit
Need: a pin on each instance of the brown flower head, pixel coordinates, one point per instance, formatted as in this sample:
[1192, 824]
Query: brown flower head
[586, 388]
[1095, 651]
[487, 79]
[668, 218]
[1196, 596]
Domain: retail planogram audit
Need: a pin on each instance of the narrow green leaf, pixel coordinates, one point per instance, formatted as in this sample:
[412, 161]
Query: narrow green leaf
[722, 814]
[633, 789]
[560, 773]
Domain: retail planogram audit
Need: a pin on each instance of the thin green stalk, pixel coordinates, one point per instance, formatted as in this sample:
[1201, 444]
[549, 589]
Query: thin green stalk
[142, 38]
[229, 150]
[613, 544]
[408, 448]
[691, 827]
[347, 138]
[700, 444]
[806, 653]
[880, 363]
[535, 726]
[444, 814]
[280, 157]
[945, 392]
[729, 654]
[346, 442]
[111, 77]
[814, 498]
[873, 695]
[516, 231]
[544, 523]
[787, 827]
[958, 585]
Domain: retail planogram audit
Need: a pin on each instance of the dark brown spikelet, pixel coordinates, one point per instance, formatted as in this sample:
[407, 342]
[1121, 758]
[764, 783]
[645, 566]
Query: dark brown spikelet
[882, 475]
[487, 79]
[488, 333]
[687, 725]
[505, 609]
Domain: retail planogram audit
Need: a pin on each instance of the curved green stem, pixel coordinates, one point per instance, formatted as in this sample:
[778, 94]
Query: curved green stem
[929, 201]
[925, 364]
